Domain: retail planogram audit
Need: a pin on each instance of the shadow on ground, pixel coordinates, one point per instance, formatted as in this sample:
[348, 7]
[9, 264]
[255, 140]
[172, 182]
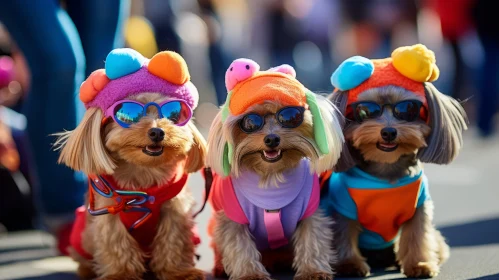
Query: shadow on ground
[488, 277]
[482, 232]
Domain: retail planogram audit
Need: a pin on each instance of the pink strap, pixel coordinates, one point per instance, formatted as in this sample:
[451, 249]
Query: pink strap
[274, 228]
[313, 202]
[231, 204]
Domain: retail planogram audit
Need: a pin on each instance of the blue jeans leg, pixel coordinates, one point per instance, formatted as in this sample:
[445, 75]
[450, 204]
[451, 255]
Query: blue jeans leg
[49, 40]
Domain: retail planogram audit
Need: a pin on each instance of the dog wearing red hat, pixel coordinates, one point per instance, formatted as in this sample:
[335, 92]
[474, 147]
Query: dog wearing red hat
[137, 144]
[395, 120]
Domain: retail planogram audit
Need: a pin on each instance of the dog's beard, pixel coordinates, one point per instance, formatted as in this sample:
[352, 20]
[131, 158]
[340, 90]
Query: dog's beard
[249, 154]
[366, 137]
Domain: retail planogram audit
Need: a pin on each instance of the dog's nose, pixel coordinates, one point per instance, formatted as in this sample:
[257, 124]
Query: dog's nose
[272, 140]
[388, 134]
[156, 134]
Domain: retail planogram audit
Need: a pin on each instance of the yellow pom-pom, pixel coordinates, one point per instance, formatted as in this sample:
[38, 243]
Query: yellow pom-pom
[416, 63]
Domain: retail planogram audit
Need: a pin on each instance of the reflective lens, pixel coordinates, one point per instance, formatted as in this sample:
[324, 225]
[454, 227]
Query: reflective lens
[127, 113]
[176, 111]
[366, 110]
[290, 117]
[251, 123]
[407, 110]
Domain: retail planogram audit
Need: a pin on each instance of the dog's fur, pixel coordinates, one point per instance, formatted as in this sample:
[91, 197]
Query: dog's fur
[421, 248]
[111, 149]
[236, 252]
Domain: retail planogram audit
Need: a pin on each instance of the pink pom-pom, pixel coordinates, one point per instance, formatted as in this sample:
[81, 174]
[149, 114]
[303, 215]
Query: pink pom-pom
[240, 70]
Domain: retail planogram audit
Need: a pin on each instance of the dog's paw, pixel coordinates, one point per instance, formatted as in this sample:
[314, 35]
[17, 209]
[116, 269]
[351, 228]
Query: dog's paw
[85, 272]
[255, 277]
[421, 270]
[219, 272]
[353, 268]
[315, 276]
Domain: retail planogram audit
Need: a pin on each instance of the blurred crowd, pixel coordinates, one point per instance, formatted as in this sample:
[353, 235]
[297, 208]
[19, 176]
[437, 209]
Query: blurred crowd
[48, 48]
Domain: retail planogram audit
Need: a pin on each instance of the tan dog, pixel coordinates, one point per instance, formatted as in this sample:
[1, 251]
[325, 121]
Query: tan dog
[268, 141]
[395, 120]
[137, 144]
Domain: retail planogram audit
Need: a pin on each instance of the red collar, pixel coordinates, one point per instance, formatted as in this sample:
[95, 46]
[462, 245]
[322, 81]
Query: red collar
[160, 193]
[146, 201]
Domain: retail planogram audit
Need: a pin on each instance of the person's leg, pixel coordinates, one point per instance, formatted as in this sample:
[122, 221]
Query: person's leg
[161, 16]
[489, 91]
[100, 25]
[50, 43]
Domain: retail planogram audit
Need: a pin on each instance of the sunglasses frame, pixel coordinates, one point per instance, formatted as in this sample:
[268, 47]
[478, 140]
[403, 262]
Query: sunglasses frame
[382, 107]
[300, 108]
[110, 111]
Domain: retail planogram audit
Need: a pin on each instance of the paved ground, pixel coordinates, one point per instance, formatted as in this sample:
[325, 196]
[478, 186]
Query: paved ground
[466, 196]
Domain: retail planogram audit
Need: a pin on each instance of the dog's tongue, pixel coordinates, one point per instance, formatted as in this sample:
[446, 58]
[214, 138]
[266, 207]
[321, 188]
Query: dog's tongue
[271, 154]
[153, 148]
[387, 145]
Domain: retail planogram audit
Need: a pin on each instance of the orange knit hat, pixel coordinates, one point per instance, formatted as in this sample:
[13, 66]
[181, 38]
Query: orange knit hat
[408, 67]
[247, 86]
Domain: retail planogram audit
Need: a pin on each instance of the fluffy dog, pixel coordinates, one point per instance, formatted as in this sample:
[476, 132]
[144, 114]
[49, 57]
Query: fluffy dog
[270, 139]
[395, 120]
[137, 144]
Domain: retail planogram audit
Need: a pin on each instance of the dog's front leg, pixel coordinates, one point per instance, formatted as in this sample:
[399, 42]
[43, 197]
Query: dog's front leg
[117, 254]
[240, 257]
[173, 248]
[346, 243]
[421, 247]
[313, 253]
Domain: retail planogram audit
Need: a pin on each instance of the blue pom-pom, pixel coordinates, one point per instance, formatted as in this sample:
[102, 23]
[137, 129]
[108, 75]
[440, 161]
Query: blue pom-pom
[122, 62]
[352, 72]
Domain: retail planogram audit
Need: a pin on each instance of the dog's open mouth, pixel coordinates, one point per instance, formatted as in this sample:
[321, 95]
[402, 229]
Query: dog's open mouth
[153, 150]
[271, 155]
[387, 147]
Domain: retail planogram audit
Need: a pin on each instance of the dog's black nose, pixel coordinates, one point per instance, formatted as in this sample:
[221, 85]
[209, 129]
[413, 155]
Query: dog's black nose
[388, 134]
[272, 140]
[156, 134]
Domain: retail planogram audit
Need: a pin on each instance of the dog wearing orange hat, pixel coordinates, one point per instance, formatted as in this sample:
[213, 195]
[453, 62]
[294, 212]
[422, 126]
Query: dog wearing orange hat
[137, 144]
[378, 195]
[266, 146]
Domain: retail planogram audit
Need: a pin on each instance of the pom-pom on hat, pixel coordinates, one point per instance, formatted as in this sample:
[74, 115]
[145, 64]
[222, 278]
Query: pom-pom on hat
[128, 73]
[248, 86]
[408, 67]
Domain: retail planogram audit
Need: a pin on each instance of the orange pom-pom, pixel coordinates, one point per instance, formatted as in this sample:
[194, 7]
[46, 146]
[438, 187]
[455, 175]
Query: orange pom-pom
[93, 85]
[169, 66]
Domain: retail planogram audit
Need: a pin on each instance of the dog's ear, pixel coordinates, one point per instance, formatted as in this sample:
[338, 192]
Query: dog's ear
[447, 121]
[197, 154]
[332, 132]
[217, 145]
[346, 160]
[83, 149]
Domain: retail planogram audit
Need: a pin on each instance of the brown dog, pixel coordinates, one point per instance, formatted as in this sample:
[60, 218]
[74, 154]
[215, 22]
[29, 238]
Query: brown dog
[394, 122]
[266, 200]
[137, 154]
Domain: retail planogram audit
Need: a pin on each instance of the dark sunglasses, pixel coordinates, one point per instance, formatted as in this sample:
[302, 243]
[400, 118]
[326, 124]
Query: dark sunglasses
[407, 110]
[128, 112]
[287, 117]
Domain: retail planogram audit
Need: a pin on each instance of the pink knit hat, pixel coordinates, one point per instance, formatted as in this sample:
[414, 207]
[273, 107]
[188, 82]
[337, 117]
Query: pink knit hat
[128, 73]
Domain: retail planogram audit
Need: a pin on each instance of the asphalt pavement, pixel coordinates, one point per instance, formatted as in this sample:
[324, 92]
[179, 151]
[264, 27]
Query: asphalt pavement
[466, 196]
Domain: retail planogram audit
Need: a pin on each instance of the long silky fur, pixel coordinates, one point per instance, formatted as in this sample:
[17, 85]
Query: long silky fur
[116, 150]
[421, 248]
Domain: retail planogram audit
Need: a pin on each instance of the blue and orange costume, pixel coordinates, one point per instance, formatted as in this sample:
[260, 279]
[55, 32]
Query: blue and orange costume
[380, 206]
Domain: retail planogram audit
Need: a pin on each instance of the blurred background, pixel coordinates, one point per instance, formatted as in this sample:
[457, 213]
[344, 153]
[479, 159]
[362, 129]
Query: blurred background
[47, 48]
